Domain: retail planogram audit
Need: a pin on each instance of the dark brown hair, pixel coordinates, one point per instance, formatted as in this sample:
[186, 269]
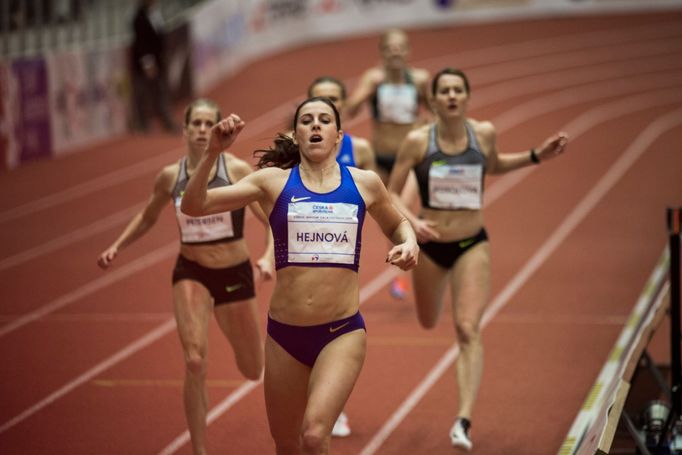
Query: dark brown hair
[453, 72]
[285, 153]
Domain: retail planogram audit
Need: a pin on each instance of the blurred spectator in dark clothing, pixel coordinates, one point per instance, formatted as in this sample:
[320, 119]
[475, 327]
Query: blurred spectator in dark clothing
[150, 87]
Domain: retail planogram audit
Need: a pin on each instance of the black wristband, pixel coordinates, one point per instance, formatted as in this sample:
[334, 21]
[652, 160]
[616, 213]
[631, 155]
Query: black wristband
[533, 157]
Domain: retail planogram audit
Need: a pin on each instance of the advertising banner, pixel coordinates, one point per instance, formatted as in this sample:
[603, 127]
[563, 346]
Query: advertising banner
[88, 96]
[8, 113]
[32, 120]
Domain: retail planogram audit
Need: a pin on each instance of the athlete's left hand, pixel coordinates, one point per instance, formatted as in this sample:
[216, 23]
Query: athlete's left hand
[404, 255]
[553, 146]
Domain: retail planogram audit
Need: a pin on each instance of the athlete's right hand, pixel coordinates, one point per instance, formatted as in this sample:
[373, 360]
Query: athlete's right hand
[424, 230]
[107, 257]
[404, 255]
[265, 270]
[224, 133]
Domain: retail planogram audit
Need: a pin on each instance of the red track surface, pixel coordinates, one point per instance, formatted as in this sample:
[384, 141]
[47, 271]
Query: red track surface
[91, 365]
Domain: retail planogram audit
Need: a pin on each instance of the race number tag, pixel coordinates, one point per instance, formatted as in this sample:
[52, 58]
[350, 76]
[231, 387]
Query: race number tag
[322, 232]
[455, 186]
[195, 229]
[397, 103]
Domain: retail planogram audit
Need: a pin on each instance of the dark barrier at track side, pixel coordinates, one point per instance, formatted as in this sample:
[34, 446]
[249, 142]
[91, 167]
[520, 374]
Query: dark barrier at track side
[594, 426]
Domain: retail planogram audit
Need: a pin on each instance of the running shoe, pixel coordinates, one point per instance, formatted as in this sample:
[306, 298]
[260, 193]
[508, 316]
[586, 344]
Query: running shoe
[459, 434]
[399, 288]
[341, 428]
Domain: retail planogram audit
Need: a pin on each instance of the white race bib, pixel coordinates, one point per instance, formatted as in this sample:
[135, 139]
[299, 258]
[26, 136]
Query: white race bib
[196, 229]
[323, 232]
[455, 186]
[397, 103]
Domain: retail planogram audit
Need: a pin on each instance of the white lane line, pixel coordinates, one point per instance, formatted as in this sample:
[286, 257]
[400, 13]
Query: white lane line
[561, 319]
[507, 90]
[109, 278]
[113, 276]
[543, 66]
[640, 145]
[121, 355]
[98, 317]
[105, 181]
[585, 94]
[557, 44]
[70, 238]
[216, 412]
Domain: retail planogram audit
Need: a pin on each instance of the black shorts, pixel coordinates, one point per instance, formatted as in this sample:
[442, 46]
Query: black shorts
[446, 254]
[385, 162]
[230, 284]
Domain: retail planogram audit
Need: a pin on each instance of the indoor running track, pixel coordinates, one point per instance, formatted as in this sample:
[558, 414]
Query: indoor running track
[91, 363]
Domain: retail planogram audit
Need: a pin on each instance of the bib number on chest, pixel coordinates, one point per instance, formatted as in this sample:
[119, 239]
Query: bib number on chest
[397, 103]
[196, 229]
[322, 232]
[455, 186]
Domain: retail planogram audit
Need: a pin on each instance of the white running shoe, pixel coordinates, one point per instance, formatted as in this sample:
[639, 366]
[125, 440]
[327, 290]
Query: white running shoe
[459, 434]
[341, 428]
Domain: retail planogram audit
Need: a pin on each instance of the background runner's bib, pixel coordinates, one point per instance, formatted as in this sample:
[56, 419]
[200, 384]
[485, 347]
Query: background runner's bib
[457, 186]
[196, 229]
[219, 227]
[451, 181]
[397, 103]
[322, 232]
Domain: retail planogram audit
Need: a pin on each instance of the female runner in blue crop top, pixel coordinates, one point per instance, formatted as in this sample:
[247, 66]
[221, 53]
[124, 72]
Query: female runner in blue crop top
[316, 339]
[450, 158]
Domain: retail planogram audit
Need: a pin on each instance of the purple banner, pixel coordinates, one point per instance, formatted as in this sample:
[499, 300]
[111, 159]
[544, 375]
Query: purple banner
[32, 125]
[6, 118]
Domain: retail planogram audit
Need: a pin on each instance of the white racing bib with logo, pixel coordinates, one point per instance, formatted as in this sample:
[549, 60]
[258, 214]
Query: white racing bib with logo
[397, 103]
[455, 186]
[196, 229]
[323, 232]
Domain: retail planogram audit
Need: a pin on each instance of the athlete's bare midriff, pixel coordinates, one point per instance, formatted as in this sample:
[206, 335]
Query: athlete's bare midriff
[454, 224]
[216, 255]
[314, 295]
[387, 137]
